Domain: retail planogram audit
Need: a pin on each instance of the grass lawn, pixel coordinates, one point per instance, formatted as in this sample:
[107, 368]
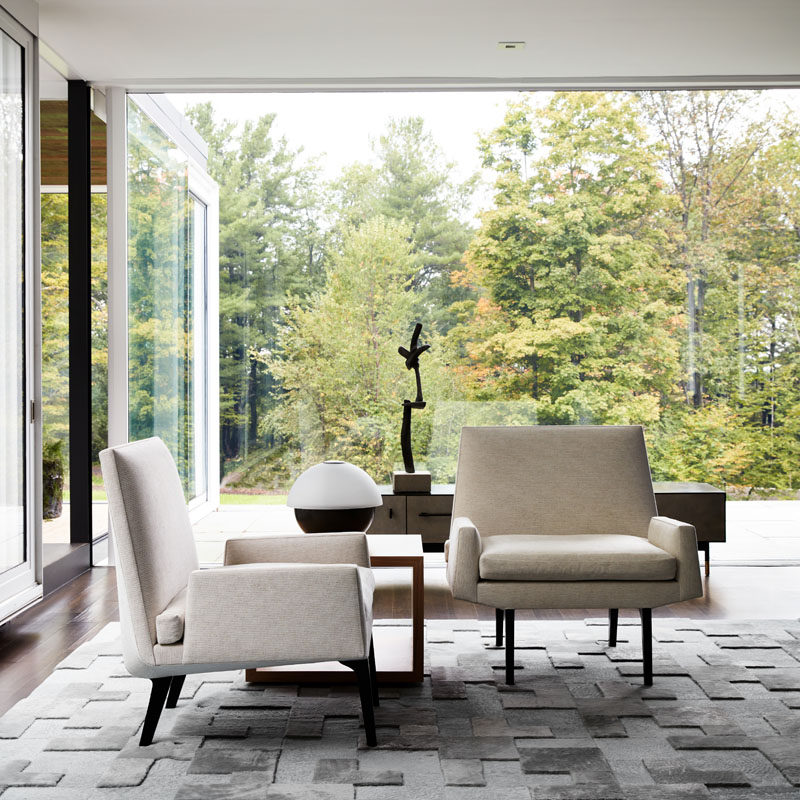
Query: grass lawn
[252, 499]
[98, 493]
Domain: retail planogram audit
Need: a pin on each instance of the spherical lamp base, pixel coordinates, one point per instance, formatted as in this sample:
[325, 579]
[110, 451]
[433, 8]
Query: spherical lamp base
[330, 520]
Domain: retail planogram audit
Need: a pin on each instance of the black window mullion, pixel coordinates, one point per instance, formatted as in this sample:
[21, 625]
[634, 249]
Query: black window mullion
[80, 276]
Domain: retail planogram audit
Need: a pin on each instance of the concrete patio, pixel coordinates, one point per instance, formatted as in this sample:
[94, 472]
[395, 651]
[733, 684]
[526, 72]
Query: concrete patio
[759, 532]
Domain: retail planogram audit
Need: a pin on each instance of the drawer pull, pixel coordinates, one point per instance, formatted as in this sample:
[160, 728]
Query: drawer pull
[435, 514]
[391, 511]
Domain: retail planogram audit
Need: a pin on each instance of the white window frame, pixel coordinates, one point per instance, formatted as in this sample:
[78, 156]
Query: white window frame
[21, 586]
[205, 189]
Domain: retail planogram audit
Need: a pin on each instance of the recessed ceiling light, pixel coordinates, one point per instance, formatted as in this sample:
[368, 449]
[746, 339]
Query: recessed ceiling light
[511, 45]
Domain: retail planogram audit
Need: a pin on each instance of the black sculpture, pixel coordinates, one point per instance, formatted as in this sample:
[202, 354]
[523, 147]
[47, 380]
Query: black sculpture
[412, 362]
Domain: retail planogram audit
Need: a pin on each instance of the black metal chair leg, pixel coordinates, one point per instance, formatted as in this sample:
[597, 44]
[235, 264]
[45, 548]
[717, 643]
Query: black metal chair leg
[175, 686]
[613, 618]
[373, 674]
[647, 645]
[498, 627]
[362, 671]
[158, 694]
[509, 619]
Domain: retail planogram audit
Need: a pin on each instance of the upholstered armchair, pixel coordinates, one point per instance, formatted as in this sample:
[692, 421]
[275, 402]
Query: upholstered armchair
[312, 603]
[565, 517]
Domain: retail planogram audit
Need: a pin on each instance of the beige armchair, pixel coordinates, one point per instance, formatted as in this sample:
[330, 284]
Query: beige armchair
[313, 602]
[565, 517]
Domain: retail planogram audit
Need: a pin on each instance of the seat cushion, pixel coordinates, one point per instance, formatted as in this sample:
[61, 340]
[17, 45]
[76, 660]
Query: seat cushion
[574, 557]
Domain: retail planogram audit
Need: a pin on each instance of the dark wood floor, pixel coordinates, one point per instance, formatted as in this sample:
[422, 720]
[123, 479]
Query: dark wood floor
[34, 642]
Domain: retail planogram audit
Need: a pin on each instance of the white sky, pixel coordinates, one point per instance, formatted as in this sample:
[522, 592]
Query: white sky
[336, 127]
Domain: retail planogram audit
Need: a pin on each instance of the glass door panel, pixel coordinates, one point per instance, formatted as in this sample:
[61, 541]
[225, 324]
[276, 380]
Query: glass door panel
[12, 283]
[16, 553]
[166, 300]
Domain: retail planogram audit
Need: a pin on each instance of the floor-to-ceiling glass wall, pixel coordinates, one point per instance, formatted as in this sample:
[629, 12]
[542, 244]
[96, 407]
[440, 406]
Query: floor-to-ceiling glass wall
[167, 300]
[575, 258]
[17, 540]
[54, 138]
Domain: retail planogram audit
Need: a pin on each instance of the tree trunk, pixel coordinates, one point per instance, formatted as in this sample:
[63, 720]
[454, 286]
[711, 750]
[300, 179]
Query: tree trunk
[252, 397]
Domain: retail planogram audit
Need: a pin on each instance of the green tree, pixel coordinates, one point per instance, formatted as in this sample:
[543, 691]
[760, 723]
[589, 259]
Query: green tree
[708, 148]
[579, 307]
[766, 253]
[55, 319]
[414, 183]
[270, 249]
[337, 359]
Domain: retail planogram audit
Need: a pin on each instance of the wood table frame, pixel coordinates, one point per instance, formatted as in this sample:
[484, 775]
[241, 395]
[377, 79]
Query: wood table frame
[399, 657]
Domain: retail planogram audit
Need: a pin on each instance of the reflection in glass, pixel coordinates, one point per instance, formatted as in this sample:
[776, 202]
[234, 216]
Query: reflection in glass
[12, 334]
[161, 288]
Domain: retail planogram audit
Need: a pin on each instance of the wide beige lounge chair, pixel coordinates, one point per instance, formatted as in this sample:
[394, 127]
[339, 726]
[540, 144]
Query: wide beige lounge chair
[565, 517]
[177, 619]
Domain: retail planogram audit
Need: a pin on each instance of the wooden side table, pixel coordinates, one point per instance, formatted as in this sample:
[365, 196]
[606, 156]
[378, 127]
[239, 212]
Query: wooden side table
[699, 504]
[398, 649]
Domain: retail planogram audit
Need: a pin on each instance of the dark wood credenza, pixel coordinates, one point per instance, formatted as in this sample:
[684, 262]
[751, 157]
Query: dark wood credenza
[428, 515]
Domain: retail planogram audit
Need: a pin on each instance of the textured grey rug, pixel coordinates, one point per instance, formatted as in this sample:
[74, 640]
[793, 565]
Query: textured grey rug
[723, 720]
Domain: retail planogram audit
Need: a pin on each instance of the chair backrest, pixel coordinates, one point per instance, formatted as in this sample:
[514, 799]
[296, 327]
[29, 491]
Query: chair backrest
[155, 547]
[554, 479]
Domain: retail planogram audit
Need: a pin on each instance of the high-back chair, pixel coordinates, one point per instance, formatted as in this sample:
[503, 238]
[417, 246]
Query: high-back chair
[565, 517]
[177, 619]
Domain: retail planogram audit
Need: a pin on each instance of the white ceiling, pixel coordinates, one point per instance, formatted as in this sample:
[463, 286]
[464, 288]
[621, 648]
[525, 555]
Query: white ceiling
[239, 44]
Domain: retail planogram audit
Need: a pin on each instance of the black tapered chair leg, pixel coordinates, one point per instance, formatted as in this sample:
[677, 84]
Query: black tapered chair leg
[498, 627]
[373, 674]
[175, 686]
[158, 694]
[362, 671]
[613, 618]
[509, 620]
[647, 645]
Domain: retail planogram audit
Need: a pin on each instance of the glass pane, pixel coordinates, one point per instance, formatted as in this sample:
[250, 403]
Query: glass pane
[55, 366]
[160, 290]
[53, 123]
[99, 350]
[623, 261]
[12, 332]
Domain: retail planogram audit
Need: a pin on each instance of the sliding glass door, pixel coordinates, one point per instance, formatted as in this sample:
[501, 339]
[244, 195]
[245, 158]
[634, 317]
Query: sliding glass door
[18, 559]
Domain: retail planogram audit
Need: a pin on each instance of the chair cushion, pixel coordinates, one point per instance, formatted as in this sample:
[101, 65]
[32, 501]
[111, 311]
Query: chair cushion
[574, 557]
[170, 622]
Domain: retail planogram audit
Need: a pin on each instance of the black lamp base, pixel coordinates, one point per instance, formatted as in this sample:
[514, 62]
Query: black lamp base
[322, 520]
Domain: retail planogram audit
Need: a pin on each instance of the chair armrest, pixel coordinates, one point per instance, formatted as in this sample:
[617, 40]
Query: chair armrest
[462, 562]
[679, 539]
[307, 548]
[278, 613]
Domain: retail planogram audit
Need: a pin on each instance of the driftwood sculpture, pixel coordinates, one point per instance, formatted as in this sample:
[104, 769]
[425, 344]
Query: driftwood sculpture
[412, 362]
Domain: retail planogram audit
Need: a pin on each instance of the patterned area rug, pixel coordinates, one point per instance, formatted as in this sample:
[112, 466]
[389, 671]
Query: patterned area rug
[722, 720]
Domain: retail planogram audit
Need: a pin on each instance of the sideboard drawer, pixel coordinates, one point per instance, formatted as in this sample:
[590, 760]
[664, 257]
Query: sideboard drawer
[429, 515]
[391, 516]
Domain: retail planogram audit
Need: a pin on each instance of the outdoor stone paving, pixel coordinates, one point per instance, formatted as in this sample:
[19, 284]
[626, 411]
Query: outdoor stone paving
[722, 720]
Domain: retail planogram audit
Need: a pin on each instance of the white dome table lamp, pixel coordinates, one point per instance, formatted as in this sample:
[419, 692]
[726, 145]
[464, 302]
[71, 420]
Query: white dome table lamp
[334, 496]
